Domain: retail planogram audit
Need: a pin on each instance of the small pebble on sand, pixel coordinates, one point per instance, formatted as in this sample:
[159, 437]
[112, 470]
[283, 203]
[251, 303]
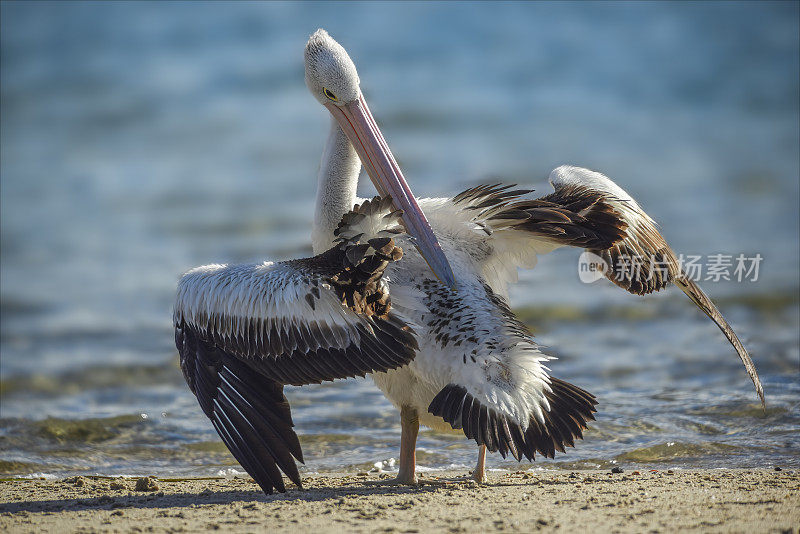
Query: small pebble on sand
[147, 484]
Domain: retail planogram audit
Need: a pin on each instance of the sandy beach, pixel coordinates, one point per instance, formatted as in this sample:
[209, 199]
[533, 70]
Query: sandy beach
[631, 501]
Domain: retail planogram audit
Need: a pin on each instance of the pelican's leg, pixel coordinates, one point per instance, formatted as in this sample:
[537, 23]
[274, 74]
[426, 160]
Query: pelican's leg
[479, 474]
[409, 423]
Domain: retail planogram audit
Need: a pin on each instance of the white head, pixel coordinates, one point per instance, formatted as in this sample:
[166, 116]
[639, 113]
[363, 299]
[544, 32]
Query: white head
[330, 73]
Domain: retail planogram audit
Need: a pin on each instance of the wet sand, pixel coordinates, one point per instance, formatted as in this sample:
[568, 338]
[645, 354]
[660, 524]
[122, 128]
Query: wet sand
[600, 501]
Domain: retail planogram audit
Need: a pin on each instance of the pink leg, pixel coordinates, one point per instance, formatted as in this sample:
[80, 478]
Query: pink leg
[409, 423]
[479, 474]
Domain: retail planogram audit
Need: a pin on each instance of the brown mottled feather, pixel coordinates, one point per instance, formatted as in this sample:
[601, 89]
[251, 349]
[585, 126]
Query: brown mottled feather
[576, 216]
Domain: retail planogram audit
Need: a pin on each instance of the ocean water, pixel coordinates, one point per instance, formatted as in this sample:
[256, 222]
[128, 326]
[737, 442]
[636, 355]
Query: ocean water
[141, 139]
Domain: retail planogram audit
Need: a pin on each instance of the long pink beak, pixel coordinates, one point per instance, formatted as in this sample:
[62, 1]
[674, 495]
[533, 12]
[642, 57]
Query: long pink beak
[360, 128]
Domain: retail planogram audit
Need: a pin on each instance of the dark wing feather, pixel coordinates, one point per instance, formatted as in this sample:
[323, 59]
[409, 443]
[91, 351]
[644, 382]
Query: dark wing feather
[249, 411]
[570, 410]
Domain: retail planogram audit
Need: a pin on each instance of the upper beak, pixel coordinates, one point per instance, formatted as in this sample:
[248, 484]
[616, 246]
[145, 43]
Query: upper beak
[358, 124]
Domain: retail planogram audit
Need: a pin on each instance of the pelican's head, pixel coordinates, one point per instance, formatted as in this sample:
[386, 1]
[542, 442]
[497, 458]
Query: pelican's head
[332, 78]
[330, 73]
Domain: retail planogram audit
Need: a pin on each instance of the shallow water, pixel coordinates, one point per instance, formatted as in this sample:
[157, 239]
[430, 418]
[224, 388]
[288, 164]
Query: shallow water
[139, 140]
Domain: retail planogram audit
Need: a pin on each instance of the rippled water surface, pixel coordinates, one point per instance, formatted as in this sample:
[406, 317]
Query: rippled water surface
[139, 140]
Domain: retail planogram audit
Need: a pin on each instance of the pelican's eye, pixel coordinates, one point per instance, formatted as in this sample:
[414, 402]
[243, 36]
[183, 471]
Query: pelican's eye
[330, 95]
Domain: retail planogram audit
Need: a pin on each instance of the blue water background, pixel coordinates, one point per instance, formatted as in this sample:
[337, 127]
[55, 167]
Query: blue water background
[141, 139]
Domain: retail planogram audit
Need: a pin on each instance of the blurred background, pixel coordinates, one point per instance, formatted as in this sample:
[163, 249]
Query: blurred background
[141, 139]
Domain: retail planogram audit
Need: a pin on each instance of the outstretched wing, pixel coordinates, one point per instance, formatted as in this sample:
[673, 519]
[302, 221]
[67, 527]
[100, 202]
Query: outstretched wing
[586, 210]
[243, 331]
[642, 262]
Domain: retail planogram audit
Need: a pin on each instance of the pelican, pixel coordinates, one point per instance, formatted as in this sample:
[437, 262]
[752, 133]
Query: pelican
[412, 292]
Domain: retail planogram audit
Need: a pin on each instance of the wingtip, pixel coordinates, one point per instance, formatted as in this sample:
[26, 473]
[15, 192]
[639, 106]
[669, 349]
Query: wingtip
[702, 301]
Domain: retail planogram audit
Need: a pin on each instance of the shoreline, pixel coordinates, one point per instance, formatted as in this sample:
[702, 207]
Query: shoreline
[707, 500]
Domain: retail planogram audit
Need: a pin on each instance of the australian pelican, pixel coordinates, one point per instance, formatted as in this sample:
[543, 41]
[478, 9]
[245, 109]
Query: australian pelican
[423, 311]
